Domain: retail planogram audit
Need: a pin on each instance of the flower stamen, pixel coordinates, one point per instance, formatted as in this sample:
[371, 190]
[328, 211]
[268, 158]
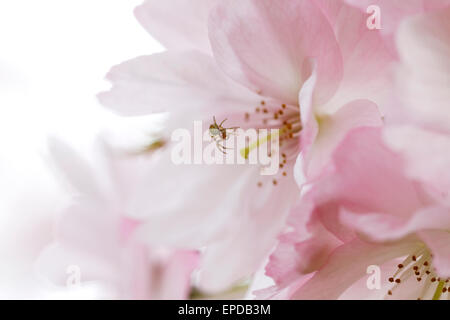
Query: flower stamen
[419, 266]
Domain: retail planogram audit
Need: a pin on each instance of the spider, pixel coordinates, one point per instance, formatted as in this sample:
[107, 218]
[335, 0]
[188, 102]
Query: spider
[220, 134]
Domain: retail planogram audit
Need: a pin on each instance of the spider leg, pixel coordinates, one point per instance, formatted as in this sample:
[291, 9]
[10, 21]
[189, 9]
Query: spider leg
[220, 145]
[221, 148]
[222, 122]
[232, 130]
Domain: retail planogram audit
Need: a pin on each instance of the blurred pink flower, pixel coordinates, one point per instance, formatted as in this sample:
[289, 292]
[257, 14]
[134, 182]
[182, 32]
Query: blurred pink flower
[95, 236]
[365, 212]
[394, 11]
[420, 130]
[309, 68]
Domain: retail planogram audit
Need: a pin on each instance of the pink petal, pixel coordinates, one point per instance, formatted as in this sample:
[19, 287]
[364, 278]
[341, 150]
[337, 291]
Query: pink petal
[367, 60]
[227, 222]
[423, 80]
[416, 145]
[439, 243]
[346, 265]
[310, 127]
[254, 42]
[284, 262]
[393, 11]
[333, 129]
[275, 293]
[407, 291]
[173, 81]
[368, 176]
[175, 280]
[178, 24]
[74, 170]
[384, 227]
[304, 250]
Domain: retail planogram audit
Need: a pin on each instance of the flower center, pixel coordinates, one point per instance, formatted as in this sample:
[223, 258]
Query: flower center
[285, 118]
[418, 269]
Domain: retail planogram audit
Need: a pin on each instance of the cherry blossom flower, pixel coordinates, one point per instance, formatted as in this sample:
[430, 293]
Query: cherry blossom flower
[309, 68]
[96, 239]
[366, 212]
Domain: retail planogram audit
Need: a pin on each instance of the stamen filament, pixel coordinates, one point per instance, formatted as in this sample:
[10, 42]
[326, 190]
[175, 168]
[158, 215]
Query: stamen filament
[438, 292]
[246, 151]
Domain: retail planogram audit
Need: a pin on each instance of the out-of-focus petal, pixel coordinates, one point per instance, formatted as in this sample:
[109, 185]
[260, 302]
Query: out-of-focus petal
[394, 11]
[423, 80]
[76, 172]
[242, 252]
[240, 219]
[426, 154]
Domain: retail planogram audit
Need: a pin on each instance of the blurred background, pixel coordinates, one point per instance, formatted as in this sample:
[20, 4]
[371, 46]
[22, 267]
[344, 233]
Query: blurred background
[54, 55]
